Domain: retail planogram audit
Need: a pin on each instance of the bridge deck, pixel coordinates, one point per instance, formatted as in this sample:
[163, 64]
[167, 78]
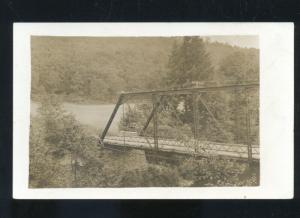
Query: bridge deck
[193, 147]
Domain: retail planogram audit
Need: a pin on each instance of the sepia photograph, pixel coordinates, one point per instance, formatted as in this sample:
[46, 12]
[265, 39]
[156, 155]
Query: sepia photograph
[144, 111]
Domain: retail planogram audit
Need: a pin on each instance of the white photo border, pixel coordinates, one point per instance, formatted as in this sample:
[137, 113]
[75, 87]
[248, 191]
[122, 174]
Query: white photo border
[276, 108]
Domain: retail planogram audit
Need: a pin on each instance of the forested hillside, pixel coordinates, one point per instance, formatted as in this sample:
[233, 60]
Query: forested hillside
[64, 151]
[90, 69]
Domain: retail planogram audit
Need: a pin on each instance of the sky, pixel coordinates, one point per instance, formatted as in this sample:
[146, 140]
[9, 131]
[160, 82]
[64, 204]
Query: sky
[242, 41]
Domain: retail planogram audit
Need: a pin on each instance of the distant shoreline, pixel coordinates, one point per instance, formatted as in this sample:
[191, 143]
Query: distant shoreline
[37, 99]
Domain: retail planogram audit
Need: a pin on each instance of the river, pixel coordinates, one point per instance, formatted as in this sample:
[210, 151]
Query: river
[93, 115]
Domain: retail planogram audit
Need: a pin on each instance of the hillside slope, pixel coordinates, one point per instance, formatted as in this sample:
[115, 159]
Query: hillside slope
[96, 69]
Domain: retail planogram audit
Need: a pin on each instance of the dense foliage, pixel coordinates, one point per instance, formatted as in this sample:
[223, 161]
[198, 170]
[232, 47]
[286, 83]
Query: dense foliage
[96, 69]
[222, 114]
[64, 154]
[73, 159]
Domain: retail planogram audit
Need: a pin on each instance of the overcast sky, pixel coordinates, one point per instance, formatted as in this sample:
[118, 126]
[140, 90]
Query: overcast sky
[242, 41]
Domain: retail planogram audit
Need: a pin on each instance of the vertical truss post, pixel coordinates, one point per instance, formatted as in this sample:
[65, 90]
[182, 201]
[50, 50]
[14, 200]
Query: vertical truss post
[248, 130]
[123, 125]
[195, 115]
[142, 132]
[155, 123]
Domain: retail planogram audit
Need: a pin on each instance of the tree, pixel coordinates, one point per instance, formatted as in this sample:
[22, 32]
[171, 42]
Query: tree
[61, 134]
[239, 67]
[188, 62]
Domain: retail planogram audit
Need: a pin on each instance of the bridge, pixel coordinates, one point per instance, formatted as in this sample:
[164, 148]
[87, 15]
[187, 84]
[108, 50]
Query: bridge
[155, 143]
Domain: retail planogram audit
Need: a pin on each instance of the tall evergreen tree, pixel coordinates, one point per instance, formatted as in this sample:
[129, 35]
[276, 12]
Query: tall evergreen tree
[188, 62]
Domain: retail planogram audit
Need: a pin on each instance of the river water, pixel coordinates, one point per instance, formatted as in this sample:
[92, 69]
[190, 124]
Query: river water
[93, 115]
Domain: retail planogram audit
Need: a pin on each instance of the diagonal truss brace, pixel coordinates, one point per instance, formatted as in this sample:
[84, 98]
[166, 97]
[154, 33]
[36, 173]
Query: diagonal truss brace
[119, 102]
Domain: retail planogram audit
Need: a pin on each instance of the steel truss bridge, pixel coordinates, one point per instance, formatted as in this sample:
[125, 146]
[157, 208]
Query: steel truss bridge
[166, 146]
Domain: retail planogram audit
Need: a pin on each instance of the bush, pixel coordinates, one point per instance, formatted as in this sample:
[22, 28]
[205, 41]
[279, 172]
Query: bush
[152, 176]
[219, 172]
[45, 168]
[56, 140]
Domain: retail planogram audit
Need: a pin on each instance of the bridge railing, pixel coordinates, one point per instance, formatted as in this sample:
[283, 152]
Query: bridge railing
[215, 119]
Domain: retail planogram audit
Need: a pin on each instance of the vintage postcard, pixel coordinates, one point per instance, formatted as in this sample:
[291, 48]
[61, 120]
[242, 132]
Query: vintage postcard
[153, 110]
